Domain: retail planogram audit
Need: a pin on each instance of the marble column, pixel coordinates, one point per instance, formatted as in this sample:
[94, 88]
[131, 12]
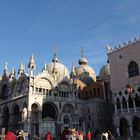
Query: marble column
[118, 131]
[128, 107]
[134, 104]
[131, 130]
[121, 107]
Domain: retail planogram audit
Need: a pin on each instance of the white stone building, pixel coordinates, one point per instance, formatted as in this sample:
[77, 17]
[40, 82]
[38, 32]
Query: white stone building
[53, 99]
[124, 63]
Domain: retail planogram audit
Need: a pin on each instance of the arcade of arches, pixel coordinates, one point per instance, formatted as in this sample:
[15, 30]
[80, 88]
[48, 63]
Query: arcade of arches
[16, 118]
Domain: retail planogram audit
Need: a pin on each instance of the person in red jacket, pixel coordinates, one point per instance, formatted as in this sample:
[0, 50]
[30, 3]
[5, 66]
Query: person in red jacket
[10, 136]
[48, 136]
[88, 135]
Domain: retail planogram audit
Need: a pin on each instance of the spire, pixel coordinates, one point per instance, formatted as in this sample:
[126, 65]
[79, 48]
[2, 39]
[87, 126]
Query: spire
[21, 69]
[31, 64]
[73, 72]
[5, 69]
[55, 59]
[12, 74]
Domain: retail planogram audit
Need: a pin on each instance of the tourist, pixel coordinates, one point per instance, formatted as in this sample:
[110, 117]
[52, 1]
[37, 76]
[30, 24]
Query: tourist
[10, 136]
[73, 134]
[103, 136]
[88, 135]
[48, 136]
[77, 135]
[81, 136]
[20, 136]
[28, 137]
[110, 136]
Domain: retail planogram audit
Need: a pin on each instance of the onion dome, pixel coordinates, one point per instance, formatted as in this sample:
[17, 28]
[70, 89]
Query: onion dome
[84, 71]
[105, 72]
[57, 70]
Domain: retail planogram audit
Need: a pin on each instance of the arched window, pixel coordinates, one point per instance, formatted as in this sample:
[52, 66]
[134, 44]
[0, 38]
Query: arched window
[130, 102]
[133, 69]
[118, 104]
[124, 103]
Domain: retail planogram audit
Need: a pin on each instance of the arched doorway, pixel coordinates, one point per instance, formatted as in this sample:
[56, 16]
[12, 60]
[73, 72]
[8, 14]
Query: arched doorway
[49, 118]
[34, 120]
[136, 126]
[16, 118]
[124, 129]
[5, 118]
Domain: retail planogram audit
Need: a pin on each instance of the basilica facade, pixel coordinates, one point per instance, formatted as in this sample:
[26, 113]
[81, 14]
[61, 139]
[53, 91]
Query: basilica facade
[55, 99]
[124, 62]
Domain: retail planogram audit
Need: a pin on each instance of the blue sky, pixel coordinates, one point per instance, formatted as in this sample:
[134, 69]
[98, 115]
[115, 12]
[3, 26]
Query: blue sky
[38, 26]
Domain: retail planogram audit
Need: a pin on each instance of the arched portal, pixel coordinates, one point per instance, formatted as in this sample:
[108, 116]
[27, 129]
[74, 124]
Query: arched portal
[136, 126]
[34, 120]
[16, 118]
[118, 104]
[49, 118]
[5, 118]
[124, 129]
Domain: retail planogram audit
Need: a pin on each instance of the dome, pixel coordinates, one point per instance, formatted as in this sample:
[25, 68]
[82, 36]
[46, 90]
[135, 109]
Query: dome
[85, 72]
[105, 71]
[57, 69]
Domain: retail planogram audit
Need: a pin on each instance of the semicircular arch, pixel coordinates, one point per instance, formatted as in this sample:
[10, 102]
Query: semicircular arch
[49, 110]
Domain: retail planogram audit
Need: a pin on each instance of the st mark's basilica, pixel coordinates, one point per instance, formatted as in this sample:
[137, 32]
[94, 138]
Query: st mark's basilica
[55, 98]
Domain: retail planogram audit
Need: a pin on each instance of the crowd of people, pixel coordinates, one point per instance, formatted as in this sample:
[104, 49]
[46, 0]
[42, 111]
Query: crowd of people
[107, 136]
[79, 135]
[75, 135]
[68, 134]
[19, 135]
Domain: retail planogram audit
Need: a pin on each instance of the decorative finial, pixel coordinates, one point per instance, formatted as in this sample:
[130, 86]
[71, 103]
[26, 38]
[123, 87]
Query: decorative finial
[82, 51]
[55, 51]
[31, 64]
[13, 71]
[55, 59]
[109, 49]
[73, 72]
[5, 67]
[21, 69]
